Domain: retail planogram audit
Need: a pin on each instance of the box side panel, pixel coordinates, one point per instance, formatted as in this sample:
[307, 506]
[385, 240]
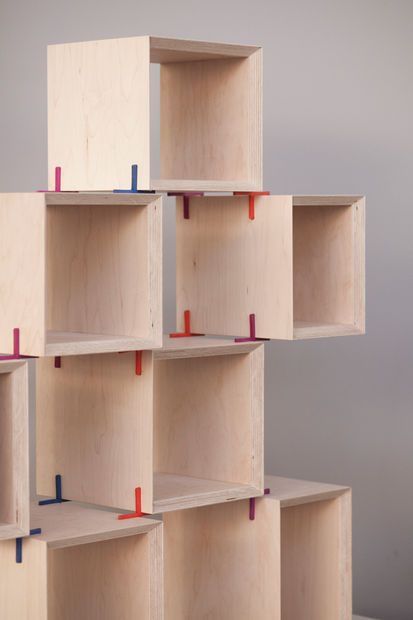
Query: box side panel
[22, 276]
[310, 561]
[221, 565]
[98, 113]
[94, 427]
[23, 587]
[229, 266]
[100, 581]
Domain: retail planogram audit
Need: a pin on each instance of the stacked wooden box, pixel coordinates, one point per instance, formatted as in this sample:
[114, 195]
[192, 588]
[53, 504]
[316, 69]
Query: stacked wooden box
[173, 425]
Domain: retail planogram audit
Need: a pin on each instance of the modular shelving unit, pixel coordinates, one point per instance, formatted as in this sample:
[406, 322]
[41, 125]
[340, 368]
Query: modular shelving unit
[139, 425]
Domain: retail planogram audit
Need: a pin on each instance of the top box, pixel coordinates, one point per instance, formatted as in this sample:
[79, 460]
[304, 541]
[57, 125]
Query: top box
[210, 114]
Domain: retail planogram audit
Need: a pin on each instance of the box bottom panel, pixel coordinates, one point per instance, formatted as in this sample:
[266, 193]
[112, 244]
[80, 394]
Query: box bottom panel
[77, 343]
[173, 492]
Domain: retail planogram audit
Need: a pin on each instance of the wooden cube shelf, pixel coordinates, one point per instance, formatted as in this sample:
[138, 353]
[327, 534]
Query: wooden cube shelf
[292, 562]
[188, 430]
[211, 114]
[298, 266]
[81, 273]
[84, 564]
[14, 449]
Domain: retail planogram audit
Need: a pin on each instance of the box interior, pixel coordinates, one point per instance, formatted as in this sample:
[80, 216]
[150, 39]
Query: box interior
[202, 422]
[97, 273]
[323, 266]
[202, 118]
[310, 562]
[100, 581]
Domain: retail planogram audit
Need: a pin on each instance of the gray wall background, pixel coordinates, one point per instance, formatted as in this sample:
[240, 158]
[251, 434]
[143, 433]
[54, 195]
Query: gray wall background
[338, 119]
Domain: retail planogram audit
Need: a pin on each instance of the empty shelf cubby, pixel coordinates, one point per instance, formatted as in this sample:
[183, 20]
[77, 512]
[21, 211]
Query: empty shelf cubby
[188, 430]
[14, 449]
[84, 564]
[291, 562]
[210, 114]
[298, 267]
[81, 272]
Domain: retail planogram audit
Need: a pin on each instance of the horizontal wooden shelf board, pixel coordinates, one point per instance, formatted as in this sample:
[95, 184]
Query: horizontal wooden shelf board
[336, 200]
[200, 346]
[292, 492]
[206, 185]
[173, 492]
[76, 343]
[163, 49]
[304, 330]
[99, 198]
[70, 524]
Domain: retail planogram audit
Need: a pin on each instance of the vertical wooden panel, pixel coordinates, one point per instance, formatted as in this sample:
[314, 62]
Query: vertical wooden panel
[310, 561]
[221, 565]
[94, 427]
[229, 266]
[323, 264]
[98, 113]
[22, 274]
[14, 450]
[100, 581]
[23, 587]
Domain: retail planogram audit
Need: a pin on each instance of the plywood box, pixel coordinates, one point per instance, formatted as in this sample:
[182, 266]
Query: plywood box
[292, 562]
[84, 564]
[14, 449]
[188, 431]
[298, 266]
[80, 273]
[210, 114]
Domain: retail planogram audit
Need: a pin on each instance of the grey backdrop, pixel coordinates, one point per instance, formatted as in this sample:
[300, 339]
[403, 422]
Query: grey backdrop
[338, 118]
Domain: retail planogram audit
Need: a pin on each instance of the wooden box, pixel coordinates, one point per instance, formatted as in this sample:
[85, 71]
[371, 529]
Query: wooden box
[14, 449]
[188, 430]
[210, 114]
[292, 562]
[80, 273]
[298, 266]
[85, 564]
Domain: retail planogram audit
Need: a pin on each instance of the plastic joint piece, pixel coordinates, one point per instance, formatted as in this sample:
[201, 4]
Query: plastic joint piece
[251, 201]
[252, 505]
[59, 498]
[57, 182]
[19, 544]
[16, 348]
[187, 328]
[252, 337]
[134, 182]
[186, 196]
[138, 362]
[138, 507]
